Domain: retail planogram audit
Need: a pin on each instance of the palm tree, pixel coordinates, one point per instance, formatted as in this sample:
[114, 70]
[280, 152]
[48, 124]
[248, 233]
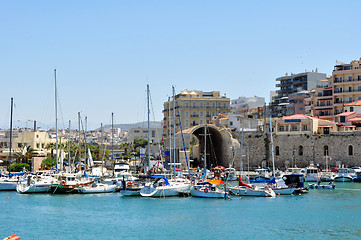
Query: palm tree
[125, 146]
[25, 157]
[51, 146]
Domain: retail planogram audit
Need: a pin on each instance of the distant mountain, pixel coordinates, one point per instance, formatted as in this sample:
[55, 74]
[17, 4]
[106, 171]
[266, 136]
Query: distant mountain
[126, 127]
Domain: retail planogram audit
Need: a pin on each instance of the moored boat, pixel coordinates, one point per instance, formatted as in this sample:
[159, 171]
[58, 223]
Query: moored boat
[208, 189]
[343, 175]
[163, 188]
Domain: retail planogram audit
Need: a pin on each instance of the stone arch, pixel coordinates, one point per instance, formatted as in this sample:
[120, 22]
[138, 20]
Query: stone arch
[221, 147]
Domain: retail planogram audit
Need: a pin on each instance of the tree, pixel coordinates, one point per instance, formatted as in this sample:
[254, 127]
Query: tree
[125, 146]
[140, 142]
[48, 163]
[25, 157]
[19, 167]
[51, 146]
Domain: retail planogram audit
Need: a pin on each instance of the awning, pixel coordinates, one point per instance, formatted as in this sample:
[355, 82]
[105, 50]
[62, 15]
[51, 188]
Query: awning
[345, 114]
[355, 119]
[323, 126]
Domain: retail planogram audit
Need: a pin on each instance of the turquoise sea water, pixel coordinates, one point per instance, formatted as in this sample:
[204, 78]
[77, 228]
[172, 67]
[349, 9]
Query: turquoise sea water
[320, 214]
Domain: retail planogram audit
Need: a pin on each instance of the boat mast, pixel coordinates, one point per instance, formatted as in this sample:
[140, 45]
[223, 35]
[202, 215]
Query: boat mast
[56, 122]
[111, 135]
[11, 133]
[148, 111]
[273, 156]
[79, 155]
[69, 162]
[205, 151]
[101, 132]
[169, 132]
[85, 145]
[173, 131]
[241, 166]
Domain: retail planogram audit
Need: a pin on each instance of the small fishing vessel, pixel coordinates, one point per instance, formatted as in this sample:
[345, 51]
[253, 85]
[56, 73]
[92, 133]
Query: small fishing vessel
[343, 175]
[208, 189]
[69, 183]
[244, 189]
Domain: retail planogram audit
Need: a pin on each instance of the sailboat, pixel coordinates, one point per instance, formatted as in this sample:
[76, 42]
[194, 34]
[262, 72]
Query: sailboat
[208, 188]
[99, 186]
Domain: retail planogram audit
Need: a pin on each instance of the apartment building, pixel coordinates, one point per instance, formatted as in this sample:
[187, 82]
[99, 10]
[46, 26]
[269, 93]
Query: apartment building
[155, 134]
[346, 81]
[193, 108]
[323, 101]
[251, 107]
[290, 84]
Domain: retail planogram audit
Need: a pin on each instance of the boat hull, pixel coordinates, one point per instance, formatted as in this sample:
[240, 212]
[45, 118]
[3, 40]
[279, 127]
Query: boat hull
[163, 191]
[250, 192]
[104, 188]
[343, 179]
[209, 194]
[284, 191]
[8, 186]
[34, 188]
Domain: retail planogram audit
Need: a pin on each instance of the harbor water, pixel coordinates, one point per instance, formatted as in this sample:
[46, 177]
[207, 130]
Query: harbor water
[319, 214]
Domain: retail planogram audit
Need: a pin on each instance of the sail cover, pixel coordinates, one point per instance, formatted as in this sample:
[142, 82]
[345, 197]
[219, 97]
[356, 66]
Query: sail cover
[216, 181]
[241, 183]
[161, 177]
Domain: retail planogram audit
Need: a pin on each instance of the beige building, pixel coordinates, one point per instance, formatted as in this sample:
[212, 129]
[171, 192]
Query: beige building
[155, 134]
[346, 79]
[194, 108]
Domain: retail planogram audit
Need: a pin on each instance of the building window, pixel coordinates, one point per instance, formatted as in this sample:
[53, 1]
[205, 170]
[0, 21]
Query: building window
[19, 145]
[213, 113]
[201, 122]
[304, 127]
[277, 150]
[42, 145]
[351, 109]
[350, 150]
[219, 105]
[187, 104]
[201, 104]
[153, 133]
[300, 150]
[213, 105]
[37, 136]
[207, 104]
[231, 123]
[136, 131]
[38, 145]
[186, 113]
[224, 105]
[187, 122]
[325, 150]
[294, 128]
[194, 105]
[281, 128]
[201, 113]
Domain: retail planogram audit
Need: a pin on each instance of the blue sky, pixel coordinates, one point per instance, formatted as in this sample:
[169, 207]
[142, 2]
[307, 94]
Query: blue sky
[105, 52]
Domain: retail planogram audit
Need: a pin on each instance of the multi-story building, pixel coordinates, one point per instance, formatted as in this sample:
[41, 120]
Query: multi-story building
[346, 84]
[252, 107]
[291, 84]
[323, 101]
[155, 134]
[297, 102]
[194, 108]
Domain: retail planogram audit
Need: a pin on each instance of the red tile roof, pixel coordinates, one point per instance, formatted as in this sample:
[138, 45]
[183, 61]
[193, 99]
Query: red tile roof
[355, 103]
[345, 114]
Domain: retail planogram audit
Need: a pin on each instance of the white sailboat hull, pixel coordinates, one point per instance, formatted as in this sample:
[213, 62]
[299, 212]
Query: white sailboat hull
[99, 188]
[163, 191]
[33, 188]
[244, 191]
[284, 191]
[209, 194]
[343, 179]
[8, 186]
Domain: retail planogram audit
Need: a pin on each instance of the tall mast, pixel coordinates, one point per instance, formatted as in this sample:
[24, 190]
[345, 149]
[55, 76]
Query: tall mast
[69, 157]
[111, 135]
[56, 122]
[205, 151]
[11, 133]
[169, 132]
[273, 156]
[85, 145]
[79, 155]
[148, 112]
[173, 131]
[101, 131]
[241, 167]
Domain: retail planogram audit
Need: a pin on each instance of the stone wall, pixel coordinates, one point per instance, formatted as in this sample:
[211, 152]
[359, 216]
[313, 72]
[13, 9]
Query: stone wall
[313, 150]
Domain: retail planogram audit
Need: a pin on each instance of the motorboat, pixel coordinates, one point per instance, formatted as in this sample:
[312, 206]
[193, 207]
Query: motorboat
[208, 189]
[35, 184]
[327, 176]
[343, 175]
[161, 187]
[357, 177]
[280, 188]
[295, 180]
[9, 183]
[311, 174]
[244, 189]
[262, 176]
[132, 187]
[322, 186]
[97, 187]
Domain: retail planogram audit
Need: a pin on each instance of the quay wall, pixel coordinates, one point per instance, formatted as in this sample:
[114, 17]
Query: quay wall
[300, 150]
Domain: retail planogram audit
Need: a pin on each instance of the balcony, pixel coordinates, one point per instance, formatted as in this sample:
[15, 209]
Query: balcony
[194, 115]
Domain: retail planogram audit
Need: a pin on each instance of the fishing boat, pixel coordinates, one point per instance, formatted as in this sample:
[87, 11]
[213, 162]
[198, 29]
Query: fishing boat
[295, 180]
[343, 175]
[69, 183]
[161, 187]
[244, 189]
[35, 184]
[208, 189]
